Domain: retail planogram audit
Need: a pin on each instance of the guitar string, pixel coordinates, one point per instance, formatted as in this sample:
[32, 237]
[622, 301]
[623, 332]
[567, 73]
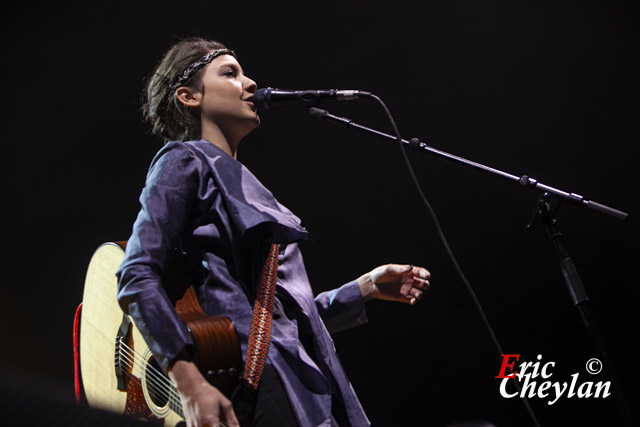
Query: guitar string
[155, 387]
[169, 387]
[177, 405]
[170, 402]
[172, 398]
[160, 384]
[157, 377]
[161, 379]
[139, 382]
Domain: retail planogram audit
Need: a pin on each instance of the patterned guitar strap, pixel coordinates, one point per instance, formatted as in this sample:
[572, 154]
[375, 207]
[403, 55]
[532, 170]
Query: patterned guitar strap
[245, 394]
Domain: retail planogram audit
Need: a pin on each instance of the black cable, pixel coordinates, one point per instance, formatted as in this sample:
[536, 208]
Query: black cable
[448, 250]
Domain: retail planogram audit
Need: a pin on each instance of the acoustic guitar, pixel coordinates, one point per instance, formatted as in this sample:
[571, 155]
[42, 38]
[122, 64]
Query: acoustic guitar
[119, 372]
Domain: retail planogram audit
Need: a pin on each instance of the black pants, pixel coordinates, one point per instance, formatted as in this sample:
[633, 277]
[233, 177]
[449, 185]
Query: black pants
[272, 406]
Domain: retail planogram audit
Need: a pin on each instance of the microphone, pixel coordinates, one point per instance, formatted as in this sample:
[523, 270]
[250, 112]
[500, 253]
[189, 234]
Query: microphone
[271, 97]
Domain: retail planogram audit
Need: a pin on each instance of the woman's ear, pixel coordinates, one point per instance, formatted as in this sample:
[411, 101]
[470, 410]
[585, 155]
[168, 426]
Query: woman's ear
[189, 97]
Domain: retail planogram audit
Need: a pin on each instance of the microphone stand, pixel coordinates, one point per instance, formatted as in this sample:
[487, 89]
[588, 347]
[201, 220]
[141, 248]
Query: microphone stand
[569, 271]
[524, 180]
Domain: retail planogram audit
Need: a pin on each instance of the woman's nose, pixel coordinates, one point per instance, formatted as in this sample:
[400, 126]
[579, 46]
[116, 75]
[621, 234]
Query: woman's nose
[250, 86]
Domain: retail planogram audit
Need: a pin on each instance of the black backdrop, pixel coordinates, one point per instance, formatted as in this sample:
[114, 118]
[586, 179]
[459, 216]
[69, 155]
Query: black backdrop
[548, 89]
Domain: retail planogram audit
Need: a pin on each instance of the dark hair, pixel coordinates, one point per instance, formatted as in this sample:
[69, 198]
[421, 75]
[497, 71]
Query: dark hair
[169, 117]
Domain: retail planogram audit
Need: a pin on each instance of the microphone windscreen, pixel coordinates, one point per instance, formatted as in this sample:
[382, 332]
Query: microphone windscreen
[261, 98]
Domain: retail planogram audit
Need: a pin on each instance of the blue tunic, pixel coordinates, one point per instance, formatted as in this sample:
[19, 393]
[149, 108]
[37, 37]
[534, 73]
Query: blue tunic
[199, 200]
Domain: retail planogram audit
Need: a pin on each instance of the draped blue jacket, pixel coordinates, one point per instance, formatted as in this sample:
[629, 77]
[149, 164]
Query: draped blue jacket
[200, 201]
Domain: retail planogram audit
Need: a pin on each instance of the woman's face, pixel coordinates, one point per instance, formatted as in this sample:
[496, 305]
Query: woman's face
[227, 96]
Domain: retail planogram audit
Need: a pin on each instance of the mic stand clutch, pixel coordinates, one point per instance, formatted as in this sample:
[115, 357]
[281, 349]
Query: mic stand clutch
[569, 271]
[581, 302]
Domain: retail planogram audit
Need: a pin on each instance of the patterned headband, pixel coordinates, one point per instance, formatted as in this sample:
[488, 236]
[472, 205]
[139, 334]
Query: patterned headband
[192, 69]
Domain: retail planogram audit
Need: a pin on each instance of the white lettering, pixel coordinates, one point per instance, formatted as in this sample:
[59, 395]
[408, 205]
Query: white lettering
[599, 386]
[503, 389]
[530, 388]
[543, 387]
[574, 379]
[536, 366]
[585, 393]
[544, 369]
[523, 369]
[559, 392]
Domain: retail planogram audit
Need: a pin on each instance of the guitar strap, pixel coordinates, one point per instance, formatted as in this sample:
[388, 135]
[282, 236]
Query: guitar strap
[259, 337]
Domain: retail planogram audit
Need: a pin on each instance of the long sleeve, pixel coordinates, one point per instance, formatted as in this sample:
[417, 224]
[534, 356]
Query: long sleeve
[342, 308]
[201, 200]
[166, 200]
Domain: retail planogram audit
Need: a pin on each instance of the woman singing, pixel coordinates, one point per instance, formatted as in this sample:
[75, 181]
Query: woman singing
[199, 202]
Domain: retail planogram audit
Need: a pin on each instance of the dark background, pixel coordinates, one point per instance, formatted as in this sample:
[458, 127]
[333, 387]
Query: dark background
[548, 89]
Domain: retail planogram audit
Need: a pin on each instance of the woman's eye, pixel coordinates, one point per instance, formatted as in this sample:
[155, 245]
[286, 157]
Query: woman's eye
[229, 73]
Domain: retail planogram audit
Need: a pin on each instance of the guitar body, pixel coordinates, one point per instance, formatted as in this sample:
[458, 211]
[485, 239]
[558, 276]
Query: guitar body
[119, 373]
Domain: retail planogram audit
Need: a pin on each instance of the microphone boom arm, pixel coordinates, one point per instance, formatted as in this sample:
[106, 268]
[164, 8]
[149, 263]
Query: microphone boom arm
[524, 180]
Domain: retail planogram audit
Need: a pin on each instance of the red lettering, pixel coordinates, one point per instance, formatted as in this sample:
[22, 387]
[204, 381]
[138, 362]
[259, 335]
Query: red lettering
[506, 364]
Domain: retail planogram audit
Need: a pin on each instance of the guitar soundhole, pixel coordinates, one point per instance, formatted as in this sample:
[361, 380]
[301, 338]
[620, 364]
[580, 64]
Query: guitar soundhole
[156, 382]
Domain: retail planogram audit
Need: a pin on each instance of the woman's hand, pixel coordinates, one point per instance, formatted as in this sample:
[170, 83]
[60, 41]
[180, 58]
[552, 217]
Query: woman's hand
[202, 404]
[395, 282]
